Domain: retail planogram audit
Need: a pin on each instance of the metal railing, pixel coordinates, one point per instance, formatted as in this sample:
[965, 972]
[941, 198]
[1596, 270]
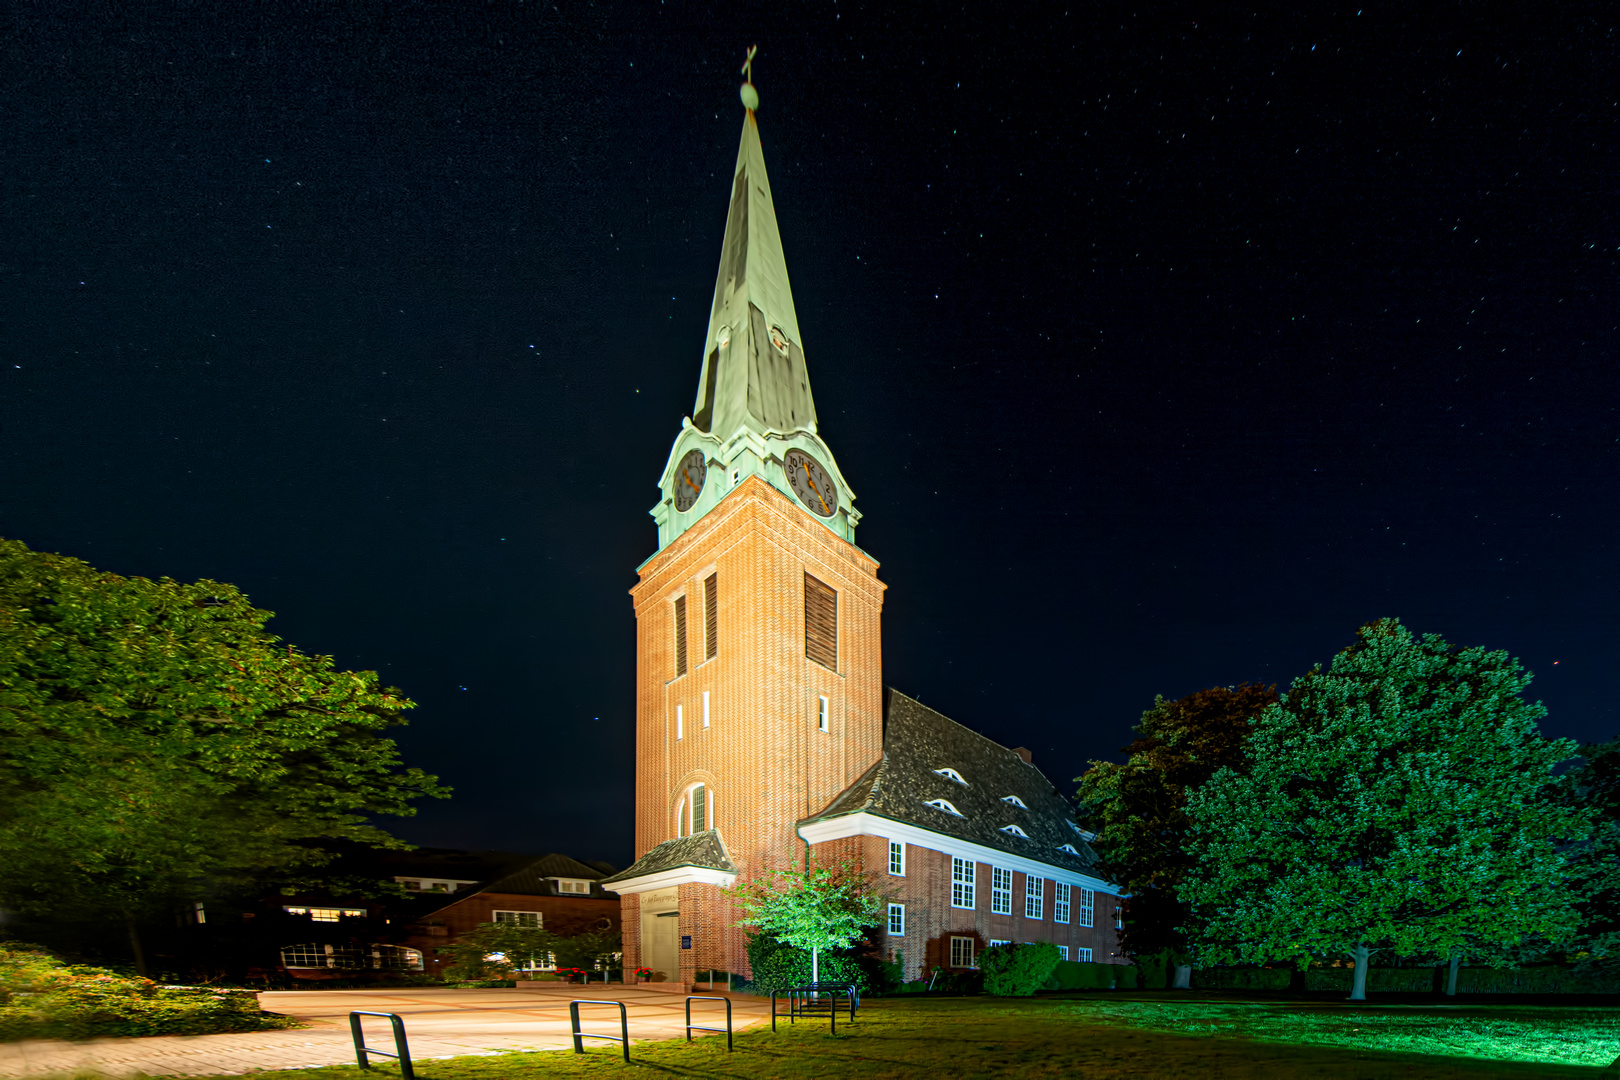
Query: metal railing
[622, 1038]
[691, 1027]
[402, 1052]
[814, 999]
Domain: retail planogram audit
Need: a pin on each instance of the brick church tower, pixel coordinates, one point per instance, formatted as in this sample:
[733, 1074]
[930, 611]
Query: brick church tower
[758, 662]
[764, 732]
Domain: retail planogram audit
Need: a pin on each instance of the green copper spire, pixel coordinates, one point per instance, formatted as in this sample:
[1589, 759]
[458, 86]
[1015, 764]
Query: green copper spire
[754, 416]
[753, 369]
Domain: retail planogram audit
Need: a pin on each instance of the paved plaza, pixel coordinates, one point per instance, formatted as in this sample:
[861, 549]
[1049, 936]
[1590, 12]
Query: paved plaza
[438, 1024]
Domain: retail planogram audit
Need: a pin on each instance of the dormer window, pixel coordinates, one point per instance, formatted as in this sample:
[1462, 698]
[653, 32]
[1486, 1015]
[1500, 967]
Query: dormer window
[1088, 837]
[941, 804]
[952, 774]
[577, 886]
[1015, 800]
[1068, 849]
[1013, 830]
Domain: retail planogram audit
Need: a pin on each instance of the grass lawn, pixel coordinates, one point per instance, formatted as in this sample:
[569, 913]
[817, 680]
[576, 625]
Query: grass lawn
[1094, 1037]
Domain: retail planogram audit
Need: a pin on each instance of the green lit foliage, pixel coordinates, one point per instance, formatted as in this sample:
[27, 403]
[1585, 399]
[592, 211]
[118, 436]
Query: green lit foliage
[157, 743]
[1595, 864]
[497, 951]
[1138, 809]
[814, 909]
[775, 966]
[1402, 801]
[1018, 970]
[43, 998]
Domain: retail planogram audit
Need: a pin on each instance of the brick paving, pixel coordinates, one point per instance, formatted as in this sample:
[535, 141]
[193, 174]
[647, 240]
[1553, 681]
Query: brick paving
[438, 1024]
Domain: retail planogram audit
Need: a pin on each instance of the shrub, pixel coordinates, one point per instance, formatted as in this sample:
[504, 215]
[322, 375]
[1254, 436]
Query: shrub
[1542, 979]
[1155, 970]
[1235, 978]
[776, 967]
[1125, 978]
[1085, 975]
[1018, 970]
[43, 998]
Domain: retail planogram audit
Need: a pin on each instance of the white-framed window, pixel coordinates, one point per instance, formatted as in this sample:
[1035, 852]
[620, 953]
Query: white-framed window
[547, 962]
[1068, 849]
[519, 918]
[326, 914]
[961, 952]
[1082, 955]
[1013, 830]
[897, 858]
[1060, 903]
[897, 920]
[705, 708]
[1000, 891]
[821, 713]
[1014, 800]
[680, 722]
[1087, 902]
[962, 883]
[577, 886]
[944, 804]
[952, 774]
[1034, 898]
[1063, 952]
[999, 941]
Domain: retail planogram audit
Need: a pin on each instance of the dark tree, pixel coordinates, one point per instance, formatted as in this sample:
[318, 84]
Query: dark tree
[1138, 809]
[1595, 865]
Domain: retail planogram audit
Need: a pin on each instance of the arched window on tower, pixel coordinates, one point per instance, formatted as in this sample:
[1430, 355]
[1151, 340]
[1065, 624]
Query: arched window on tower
[695, 810]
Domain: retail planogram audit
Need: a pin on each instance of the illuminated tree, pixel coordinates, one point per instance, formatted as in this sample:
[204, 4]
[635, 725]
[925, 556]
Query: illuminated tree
[1401, 801]
[819, 907]
[1138, 809]
[158, 745]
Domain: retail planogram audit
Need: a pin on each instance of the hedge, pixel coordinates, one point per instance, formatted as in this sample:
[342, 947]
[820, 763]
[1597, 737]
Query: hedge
[1223, 978]
[1087, 975]
[43, 998]
[1018, 970]
[1379, 980]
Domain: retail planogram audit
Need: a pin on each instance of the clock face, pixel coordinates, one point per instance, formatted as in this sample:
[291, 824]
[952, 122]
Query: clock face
[811, 483]
[689, 477]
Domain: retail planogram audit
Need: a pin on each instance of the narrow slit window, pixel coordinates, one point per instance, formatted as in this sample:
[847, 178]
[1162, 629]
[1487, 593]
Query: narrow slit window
[680, 723]
[821, 712]
[821, 623]
[680, 636]
[705, 708]
[711, 617]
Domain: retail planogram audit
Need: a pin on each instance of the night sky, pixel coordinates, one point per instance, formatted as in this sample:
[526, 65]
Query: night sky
[1162, 351]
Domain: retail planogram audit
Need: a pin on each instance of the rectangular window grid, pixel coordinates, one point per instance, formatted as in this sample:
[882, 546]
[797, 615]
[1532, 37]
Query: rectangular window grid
[1034, 898]
[1060, 903]
[897, 920]
[326, 914]
[897, 858]
[1063, 952]
[1082, 955]
[961, 952]
[1000, 891]
[961, 883]
[711, 617]
[1086, 904]
[821, 623]
[518, 918]
[680, 636]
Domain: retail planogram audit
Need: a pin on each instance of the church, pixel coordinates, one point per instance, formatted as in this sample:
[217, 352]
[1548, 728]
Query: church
[764, 733]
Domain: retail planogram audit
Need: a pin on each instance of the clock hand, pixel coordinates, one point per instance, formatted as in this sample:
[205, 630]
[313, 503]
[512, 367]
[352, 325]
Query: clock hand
[689, 483]
[809, 480]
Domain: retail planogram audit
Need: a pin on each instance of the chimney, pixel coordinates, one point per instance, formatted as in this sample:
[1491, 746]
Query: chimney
[1023, 752]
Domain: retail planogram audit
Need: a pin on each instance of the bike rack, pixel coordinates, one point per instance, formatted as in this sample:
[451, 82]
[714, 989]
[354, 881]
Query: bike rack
[691, 1027]
[402, 1052]
[622, 1038]
[808, 1000]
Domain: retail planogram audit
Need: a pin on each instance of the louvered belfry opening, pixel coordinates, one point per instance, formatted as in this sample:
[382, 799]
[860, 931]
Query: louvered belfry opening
[680, 636]
[821, 623]
[711, 617]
